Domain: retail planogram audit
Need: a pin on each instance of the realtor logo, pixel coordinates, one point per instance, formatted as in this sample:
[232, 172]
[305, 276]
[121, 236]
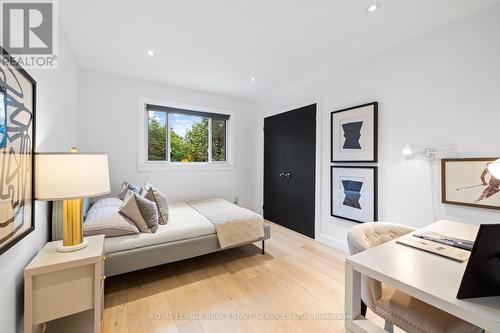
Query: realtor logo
[29, 31]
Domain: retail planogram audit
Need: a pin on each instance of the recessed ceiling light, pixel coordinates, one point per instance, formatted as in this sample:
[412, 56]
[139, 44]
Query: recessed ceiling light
[150, 53]
[373, 7]
[252, 79]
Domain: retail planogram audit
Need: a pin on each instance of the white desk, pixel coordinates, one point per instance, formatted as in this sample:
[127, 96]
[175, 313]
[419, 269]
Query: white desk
[428, 277]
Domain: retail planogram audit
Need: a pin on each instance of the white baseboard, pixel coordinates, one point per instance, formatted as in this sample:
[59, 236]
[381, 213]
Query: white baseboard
[330, 241]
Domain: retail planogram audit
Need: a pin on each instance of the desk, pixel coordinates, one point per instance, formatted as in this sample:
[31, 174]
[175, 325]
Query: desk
[58, 285]
[431, 278]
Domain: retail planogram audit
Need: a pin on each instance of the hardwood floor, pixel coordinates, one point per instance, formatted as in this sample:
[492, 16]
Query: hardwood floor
[236, 290]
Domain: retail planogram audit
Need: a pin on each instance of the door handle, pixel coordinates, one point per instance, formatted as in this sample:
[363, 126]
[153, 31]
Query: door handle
[288, 175]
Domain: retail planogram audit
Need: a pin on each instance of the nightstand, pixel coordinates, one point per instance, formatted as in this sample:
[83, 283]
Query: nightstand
[58, 285]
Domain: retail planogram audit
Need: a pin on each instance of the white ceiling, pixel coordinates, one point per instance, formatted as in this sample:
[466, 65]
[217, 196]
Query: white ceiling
[218, 45]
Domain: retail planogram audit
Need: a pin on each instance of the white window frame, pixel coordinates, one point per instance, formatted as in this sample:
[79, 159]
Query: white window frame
[142, 152]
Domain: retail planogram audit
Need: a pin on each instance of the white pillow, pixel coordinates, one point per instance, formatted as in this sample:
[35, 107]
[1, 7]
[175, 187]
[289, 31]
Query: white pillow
[108, 222]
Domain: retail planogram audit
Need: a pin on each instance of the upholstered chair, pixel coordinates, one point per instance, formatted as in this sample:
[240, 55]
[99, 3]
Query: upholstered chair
[397, 308]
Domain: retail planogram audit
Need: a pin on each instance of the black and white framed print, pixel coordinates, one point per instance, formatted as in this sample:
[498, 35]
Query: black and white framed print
[354, 193]
[354, 134]
[17, 143]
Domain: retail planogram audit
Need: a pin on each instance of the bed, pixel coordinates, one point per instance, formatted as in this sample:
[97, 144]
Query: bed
[193, 229]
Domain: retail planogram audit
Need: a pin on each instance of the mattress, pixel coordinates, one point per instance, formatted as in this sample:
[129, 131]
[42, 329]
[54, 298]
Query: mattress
[184, 222]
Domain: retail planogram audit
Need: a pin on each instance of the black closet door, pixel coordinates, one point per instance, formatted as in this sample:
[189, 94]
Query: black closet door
[274, 166]
[289, 169]
[301, 169]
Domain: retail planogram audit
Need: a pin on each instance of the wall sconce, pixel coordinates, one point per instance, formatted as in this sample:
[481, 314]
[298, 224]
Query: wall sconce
[429, 152]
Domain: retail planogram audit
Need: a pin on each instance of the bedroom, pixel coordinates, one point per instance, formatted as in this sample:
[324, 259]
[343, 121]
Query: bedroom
[209, 88]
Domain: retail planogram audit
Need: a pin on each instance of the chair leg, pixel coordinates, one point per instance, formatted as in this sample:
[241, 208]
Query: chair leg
[363, 309]
[263, 247]
[388, 327]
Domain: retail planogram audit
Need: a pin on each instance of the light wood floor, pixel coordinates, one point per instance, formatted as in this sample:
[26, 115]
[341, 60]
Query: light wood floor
[233, 291]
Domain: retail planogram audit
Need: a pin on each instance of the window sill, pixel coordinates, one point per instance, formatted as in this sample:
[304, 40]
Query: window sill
[144, 167]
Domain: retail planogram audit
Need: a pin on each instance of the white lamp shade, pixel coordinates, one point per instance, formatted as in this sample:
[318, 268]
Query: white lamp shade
[494, 169]
[61, 176]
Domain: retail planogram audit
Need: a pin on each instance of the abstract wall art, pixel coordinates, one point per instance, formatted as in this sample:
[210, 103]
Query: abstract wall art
[17, 142]
[467, 182]
[354, 193]
[3, 117]
[354, 134]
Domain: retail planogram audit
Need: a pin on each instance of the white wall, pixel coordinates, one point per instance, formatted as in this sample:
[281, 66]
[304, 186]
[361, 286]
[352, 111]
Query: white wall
[56, 123]
[440, 88]
[108, 123]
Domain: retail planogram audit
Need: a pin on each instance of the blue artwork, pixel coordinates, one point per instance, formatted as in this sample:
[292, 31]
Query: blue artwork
[352, 190]
[352, 134]
[3, 118]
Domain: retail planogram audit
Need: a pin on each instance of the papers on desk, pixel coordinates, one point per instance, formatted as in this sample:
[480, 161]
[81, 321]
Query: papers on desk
[446, 240]
[434, 247]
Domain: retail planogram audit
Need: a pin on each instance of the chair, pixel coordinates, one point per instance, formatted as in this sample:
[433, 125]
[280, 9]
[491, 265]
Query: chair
[395, 307]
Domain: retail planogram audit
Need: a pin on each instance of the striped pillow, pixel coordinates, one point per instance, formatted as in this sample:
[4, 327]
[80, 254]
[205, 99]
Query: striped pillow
[141, 211]
[160, 199]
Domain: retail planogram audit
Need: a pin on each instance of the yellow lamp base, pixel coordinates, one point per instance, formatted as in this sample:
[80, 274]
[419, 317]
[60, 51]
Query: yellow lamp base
[72, 226]
[62, 248]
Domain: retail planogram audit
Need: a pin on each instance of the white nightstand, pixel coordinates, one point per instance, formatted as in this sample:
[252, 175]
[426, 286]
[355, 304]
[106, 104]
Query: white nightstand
[58, 284]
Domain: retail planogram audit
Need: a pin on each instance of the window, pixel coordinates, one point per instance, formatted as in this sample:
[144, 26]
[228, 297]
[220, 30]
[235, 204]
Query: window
[218, 140]
[180, 136]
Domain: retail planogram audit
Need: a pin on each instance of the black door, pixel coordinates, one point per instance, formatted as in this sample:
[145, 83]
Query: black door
[289, 169]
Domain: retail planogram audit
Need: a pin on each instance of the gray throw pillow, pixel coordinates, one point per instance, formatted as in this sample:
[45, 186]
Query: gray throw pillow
[127, 186]
[125, 197]
[141, 211]
[145, 188]
[160, 199]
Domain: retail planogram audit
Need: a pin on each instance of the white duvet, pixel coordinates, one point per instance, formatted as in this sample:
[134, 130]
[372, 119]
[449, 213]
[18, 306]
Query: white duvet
[232, 224]
[183, 223]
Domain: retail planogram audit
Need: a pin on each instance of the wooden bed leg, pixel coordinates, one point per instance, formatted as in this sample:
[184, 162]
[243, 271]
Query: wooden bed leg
[263, 247]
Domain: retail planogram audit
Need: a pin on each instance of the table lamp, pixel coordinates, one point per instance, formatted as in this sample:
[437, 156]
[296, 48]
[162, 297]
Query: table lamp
[494, 169]
[71, 177]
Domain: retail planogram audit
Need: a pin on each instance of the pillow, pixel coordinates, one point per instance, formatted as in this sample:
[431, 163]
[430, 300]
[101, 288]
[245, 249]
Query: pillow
[125, 197]
[127, 186]
[141, 211]
[108, 222]
[153, 194]
[145, 188]
[106, 202]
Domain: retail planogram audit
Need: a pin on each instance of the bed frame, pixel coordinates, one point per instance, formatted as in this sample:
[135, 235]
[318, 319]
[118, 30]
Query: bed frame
[160, 254]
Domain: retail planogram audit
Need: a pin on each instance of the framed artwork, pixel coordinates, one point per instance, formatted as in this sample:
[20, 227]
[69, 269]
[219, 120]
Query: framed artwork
[354, 134]
[467, 182]
[3, 117]
[17, 144]
[354, 193]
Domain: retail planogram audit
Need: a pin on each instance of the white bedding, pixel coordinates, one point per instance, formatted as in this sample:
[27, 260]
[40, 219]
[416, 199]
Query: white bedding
[183, 223]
